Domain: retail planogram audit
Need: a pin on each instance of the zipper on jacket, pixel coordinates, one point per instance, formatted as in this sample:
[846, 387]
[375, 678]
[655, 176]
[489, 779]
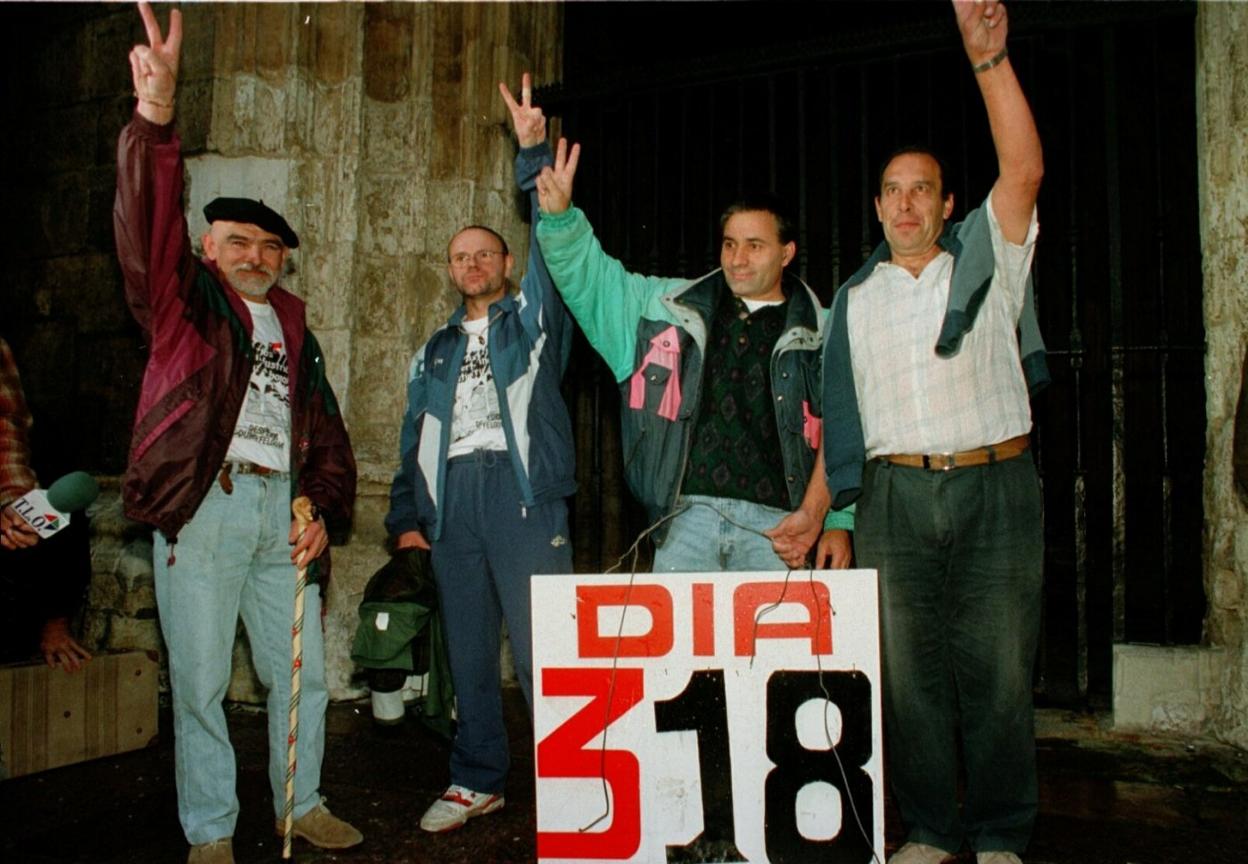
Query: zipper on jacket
[504, 412]
[692, 427]
[695, 405]
[785, 435]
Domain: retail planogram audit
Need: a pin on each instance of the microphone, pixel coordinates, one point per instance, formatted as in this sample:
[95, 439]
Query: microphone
[48, 511]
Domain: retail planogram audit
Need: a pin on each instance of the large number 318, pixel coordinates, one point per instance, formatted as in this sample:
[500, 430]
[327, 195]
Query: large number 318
[702, 709]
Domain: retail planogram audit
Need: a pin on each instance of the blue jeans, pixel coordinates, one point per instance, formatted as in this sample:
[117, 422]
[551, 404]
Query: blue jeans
[491, 545]
[233, 557]
[960, 561]
[701, 540]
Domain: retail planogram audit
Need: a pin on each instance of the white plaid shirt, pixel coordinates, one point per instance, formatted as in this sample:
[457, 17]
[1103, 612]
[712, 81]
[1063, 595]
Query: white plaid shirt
[911, 400]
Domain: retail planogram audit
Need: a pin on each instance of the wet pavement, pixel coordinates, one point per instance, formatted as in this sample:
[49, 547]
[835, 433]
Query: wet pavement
[1105, 799]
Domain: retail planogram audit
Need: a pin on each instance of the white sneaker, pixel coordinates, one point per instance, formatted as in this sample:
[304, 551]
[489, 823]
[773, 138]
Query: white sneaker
[920, 853]
[456, 806]
[997, 858]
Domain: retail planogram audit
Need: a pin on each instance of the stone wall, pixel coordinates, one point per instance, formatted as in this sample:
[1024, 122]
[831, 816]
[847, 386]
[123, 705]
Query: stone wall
[436, 155]
[120, 611]
[376, 128]
[67, 94]
[1222, 147]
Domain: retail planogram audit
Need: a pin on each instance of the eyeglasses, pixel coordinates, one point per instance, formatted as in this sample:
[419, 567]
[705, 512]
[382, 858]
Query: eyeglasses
[481, 256]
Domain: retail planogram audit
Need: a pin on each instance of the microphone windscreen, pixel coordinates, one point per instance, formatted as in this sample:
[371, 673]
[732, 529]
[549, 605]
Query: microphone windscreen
[73, 492]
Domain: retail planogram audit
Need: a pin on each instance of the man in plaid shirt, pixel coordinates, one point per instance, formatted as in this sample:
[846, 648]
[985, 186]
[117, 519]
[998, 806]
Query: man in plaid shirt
[42, 584]
[16, 476]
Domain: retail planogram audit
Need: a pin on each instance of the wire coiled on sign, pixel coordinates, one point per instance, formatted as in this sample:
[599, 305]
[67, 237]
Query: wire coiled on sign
[634, 552]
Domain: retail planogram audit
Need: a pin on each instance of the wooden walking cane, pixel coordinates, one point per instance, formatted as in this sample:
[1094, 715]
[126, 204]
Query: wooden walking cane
[301, 508]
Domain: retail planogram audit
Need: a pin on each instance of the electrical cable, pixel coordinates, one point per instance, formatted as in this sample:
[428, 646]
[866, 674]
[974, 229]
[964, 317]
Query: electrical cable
[635, 550]
[827, 734]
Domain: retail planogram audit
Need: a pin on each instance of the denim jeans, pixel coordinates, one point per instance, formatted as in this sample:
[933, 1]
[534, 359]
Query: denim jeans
[703, 538]
[960, 561]
[233, 557]
[491, 545]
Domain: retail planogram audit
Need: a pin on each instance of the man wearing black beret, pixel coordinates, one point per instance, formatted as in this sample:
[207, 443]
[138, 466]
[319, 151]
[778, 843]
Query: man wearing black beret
[235, 419]
[251, 212]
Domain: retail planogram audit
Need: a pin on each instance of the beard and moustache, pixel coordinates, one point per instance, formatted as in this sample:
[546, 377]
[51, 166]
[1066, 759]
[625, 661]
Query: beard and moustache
[253, 280]
[486, 286]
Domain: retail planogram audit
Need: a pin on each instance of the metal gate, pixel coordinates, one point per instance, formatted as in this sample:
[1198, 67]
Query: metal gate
[1120, 433]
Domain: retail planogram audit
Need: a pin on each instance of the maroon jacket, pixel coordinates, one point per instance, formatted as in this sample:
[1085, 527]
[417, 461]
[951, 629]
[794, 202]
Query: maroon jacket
[200, 357]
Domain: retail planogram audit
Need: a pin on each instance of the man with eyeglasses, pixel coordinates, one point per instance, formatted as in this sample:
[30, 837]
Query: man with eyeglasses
[487, 463]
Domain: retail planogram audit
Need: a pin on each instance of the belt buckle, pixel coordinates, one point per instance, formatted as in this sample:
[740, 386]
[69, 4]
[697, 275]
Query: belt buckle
[939, 461]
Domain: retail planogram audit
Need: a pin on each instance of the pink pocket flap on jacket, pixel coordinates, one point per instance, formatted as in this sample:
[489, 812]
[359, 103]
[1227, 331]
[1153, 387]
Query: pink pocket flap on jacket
[812, 426]
[665, 353]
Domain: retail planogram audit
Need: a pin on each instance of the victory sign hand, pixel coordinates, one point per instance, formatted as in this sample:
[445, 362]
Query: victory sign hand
[554, 185]
[526, 118]
[155, 66]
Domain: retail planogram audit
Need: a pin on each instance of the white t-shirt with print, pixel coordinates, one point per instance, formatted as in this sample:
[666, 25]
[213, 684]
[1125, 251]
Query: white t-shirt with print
[262, 431]
[476, 423]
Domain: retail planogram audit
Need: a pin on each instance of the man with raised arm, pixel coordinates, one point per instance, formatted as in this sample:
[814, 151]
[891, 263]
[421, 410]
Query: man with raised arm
[931, 349]
[487, 461]
[235, 419]
[719, 377]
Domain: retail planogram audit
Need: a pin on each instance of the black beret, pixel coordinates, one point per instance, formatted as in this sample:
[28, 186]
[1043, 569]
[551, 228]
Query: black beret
[251, 212]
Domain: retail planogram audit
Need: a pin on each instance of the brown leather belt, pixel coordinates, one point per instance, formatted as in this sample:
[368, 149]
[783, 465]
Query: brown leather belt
[999, 452]
[240, 468]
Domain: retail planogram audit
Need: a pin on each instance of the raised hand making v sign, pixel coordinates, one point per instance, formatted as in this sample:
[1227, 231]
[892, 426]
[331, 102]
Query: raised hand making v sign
[154, 66]
[526, 118]
[554, 184]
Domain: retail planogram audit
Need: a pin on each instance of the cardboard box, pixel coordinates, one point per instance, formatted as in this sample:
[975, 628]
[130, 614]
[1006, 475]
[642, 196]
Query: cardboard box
[49, 718]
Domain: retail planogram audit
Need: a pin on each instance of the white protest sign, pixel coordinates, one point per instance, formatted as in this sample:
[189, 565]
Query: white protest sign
[741, 714]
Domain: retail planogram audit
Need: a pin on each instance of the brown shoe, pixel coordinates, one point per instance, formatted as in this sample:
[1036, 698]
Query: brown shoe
[217, 852]
[321, 828]
[920, 853]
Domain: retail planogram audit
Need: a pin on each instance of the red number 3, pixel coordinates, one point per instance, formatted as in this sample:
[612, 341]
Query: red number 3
[563, 753]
